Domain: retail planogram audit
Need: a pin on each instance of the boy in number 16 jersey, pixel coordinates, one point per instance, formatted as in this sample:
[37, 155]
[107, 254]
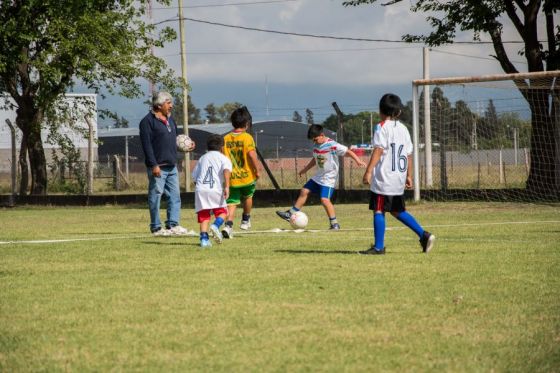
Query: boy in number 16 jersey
[211, 176]
[389, 171]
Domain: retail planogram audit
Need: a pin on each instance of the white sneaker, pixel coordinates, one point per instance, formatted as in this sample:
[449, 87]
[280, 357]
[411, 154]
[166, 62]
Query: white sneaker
[205, 243]
[215, 233]
[178, 231]
[162, 232]
[245, 225]
[227, 232]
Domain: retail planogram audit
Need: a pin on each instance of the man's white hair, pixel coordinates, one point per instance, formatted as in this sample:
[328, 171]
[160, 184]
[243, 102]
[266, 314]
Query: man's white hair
[161, 98]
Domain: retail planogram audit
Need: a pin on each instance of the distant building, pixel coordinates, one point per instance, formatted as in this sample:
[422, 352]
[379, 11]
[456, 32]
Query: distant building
[273, 138]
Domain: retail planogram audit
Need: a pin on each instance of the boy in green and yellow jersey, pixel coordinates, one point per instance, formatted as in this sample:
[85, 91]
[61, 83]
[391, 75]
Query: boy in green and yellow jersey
[239, 147]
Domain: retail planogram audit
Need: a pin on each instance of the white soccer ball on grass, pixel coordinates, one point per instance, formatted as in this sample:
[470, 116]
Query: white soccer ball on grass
[185, 144]
[299, 220]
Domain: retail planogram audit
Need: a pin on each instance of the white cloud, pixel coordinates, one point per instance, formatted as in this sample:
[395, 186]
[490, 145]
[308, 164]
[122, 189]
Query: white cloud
[315, 61]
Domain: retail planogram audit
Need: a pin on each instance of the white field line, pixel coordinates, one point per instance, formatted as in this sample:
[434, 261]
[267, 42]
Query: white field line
[274, 230]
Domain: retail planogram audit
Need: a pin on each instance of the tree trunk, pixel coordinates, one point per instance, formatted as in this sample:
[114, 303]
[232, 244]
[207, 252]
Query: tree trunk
[29, 122]
[542, 176]
[24, 168]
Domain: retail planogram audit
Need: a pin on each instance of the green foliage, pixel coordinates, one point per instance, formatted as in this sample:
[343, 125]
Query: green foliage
[309, 116]
[194, 112]
[48, 46]
[221, 114]
[116, 299]
[357, 127]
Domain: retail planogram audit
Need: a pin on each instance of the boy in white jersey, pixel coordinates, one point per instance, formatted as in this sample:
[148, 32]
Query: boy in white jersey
[325, 156]
[389, 171]
[211, 176]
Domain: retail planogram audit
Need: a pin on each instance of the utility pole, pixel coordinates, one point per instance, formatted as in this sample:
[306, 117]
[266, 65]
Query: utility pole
[186, 168]
[340, 139]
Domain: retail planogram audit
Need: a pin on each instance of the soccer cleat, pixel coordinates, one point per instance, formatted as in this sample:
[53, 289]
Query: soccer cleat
[335, 227]
[215, 233]
[178, 231]
[284, 215]
[427, 241]
[205, 243]
[160, 232]
[373, 251]
[245, 225]
[227, 232]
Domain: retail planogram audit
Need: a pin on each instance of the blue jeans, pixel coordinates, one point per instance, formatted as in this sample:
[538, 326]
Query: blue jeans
[168, 184]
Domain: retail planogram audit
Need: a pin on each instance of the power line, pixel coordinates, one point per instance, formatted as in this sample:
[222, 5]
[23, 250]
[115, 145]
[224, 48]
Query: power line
[470, 56]
[228, 4]
[317, 35]
[295, 51]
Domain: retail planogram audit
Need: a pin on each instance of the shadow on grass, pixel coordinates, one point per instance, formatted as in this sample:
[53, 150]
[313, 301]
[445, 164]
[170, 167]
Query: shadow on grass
[167, 243]
[344, 252]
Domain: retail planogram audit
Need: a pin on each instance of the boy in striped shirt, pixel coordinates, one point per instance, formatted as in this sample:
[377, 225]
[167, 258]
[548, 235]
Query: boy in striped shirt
[325, 156]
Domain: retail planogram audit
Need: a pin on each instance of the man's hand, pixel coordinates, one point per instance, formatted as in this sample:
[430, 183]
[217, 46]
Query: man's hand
[361, 163]
[156, 171]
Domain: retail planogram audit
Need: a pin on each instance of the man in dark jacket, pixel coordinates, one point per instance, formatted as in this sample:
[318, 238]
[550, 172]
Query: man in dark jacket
[158, 133]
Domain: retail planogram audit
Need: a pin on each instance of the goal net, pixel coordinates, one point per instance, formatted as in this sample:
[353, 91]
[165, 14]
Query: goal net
[493, 137]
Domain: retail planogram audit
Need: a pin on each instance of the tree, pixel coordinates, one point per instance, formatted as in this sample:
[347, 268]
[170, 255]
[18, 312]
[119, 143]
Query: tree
[357, 128]
[120, 121]
[211, 113]
[47, 48]
[297, 117]
[462, 125]
[177, 113]
[488, 127]
[308, 116]
[488, 17]
[224, 111]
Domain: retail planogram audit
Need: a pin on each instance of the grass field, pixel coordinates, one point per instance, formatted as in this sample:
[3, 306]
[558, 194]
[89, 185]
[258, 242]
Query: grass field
[109, 297]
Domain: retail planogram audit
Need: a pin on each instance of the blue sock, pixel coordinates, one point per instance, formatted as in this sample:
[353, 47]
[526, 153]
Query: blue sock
[294, 209]
[410, 222]
[203, 235]
[218, 222]
[379, 230]
[245, 217]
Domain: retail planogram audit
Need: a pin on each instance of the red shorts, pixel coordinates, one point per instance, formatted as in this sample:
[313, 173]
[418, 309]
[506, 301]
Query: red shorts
[204, 215]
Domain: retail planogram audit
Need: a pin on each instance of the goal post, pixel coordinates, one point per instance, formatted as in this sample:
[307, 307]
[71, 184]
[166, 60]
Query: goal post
[492, 136]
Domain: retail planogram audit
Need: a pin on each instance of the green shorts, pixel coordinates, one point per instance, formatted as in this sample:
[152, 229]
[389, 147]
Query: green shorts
[236, 194]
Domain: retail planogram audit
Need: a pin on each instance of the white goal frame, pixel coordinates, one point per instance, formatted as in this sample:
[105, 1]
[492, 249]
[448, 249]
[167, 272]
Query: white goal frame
[416, 84]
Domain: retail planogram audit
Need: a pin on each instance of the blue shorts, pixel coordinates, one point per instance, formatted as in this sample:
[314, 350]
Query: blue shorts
[321, 190]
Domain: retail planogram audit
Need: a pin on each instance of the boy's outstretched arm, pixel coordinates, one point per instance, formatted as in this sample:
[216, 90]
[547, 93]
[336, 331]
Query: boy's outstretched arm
[307, 167]
[252, 155]
[351, 154]
[375, 157]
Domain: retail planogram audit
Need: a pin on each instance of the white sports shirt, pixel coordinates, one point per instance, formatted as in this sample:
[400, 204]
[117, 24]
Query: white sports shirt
[208, 176]
[389, 175]
[326, 157]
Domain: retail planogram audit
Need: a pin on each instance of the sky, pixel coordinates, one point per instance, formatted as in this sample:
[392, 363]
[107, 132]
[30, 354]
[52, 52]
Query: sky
[276, 74]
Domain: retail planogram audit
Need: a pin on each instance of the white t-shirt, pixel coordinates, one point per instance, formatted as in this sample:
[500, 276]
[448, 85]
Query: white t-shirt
[208, 176]
[326, 158]
[389, 175]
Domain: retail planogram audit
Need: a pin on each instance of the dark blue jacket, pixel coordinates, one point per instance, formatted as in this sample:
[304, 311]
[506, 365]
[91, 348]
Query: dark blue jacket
[159, 142]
